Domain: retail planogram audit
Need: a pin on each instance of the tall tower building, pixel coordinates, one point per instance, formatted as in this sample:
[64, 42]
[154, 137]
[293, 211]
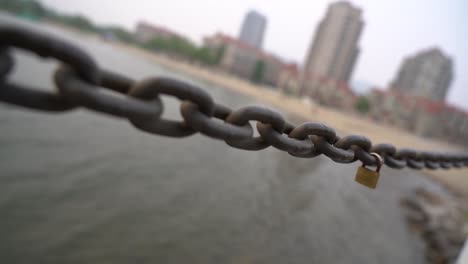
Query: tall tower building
[427, 74]
[334, 50]
[253, 29]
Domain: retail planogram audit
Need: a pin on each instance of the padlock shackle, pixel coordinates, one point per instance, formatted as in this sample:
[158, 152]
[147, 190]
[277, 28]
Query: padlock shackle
[379, 161]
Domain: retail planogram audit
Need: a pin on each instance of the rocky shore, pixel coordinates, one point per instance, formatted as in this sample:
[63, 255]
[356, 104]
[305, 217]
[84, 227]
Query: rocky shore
[441, 221]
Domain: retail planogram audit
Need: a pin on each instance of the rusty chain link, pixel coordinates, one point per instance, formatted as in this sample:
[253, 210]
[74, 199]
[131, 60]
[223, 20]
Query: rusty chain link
[80, 83]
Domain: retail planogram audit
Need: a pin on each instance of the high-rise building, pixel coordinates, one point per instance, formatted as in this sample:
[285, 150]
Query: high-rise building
[253, 29]
[334, 50]
[427, 74]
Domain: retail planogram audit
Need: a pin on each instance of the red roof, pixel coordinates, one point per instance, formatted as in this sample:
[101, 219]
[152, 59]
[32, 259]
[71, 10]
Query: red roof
[423, 103]
[292, 68]
[228, 39]
[429, 105]
[377, 90]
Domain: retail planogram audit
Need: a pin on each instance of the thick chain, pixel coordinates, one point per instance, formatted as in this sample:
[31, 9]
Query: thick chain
[80, 83]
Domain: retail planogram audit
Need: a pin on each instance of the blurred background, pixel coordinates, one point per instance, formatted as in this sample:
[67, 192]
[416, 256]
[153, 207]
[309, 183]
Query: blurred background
[83, 187]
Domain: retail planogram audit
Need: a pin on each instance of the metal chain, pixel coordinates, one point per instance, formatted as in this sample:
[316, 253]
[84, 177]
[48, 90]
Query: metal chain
[80, 83]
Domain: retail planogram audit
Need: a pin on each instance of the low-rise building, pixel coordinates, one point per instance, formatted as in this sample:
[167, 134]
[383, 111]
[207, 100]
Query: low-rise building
[288, 80]
[423, 116]
[329, 92]
[245, 60]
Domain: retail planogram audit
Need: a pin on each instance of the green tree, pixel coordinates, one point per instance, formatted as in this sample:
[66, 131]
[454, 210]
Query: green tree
[119, 33]
[362, 105]
[219, 53]
[259, 70]
[205, 56]
[29, 9]
[173, 45]
[77, 21]
[182, 47]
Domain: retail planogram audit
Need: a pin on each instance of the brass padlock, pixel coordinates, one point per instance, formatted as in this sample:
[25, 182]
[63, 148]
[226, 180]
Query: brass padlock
[369, 177]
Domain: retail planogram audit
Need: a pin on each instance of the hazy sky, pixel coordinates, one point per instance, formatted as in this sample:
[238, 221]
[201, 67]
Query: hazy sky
[393, 29]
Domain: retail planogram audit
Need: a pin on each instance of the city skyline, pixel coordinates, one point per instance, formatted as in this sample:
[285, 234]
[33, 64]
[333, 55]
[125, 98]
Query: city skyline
[393, 29]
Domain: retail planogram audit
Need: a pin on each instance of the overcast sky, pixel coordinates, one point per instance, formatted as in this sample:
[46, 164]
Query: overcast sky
[393, 29]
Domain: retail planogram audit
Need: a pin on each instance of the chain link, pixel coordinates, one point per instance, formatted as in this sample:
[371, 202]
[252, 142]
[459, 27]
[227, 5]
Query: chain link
[207, 126]
[81, 83]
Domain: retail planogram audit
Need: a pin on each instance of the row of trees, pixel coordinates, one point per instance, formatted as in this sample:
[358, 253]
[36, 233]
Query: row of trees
[24, 8]
[34, 10]
[184, 48]
[363, 105]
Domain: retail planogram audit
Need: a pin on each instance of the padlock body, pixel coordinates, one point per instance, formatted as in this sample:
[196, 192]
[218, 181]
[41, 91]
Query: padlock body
[367, 177]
